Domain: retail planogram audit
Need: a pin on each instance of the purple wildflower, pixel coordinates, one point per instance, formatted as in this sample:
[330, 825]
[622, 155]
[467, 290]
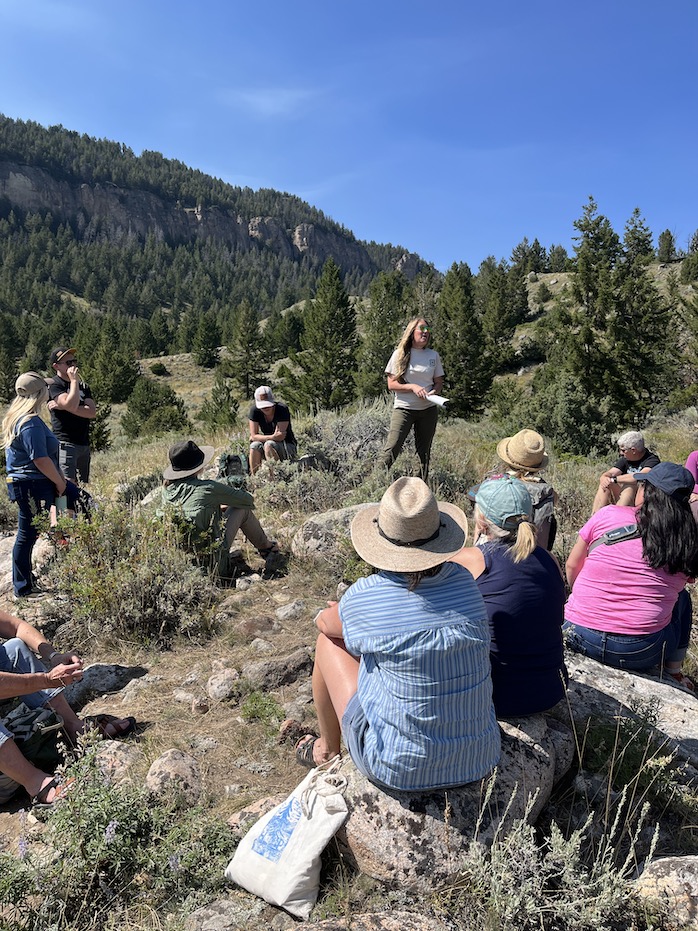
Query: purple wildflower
[110, 831]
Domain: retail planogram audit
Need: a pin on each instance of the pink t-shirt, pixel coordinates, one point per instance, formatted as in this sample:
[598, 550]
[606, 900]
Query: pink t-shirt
[616, 590]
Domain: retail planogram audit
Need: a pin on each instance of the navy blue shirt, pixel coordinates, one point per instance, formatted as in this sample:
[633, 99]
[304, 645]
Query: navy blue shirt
[525, 606]
[32, 441]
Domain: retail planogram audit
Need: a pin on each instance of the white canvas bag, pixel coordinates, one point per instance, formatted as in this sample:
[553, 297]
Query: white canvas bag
[279, 857]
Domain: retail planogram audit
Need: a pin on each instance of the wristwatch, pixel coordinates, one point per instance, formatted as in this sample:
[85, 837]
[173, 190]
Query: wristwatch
[614, 479]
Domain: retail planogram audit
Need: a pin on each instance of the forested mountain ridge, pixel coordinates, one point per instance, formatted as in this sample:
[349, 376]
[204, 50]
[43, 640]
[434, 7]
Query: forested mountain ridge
[103, 190]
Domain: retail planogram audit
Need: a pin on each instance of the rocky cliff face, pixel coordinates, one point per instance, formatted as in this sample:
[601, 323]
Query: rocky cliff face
[121, 212]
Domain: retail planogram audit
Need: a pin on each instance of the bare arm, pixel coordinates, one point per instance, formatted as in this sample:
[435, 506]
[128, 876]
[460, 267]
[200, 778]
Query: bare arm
[70, 400]
[394, 384]
[328, 621]
[575, 560]
[64, 667]
[438, 385]
[471, 558]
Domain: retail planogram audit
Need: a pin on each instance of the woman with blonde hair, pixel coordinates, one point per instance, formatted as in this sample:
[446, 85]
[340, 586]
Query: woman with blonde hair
[524, 457]
[524, 595]
[34, 479]
[414, 374]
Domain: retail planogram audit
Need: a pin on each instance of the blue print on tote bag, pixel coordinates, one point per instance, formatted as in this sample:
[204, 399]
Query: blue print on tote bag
[271, 843]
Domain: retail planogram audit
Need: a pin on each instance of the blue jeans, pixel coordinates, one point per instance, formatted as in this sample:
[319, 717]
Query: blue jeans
[32, 495]
[638, 653]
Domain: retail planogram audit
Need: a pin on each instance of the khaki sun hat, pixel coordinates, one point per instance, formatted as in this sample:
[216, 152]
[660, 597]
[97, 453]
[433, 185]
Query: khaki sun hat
[409, 530]
[186, 458]
[525, 450]
[31, 385]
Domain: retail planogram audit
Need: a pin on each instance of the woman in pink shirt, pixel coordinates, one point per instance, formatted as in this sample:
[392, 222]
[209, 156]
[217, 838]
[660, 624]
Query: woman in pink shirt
[628, 606]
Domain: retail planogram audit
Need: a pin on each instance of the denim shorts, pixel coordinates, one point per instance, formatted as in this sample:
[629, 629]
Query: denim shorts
[636, 653]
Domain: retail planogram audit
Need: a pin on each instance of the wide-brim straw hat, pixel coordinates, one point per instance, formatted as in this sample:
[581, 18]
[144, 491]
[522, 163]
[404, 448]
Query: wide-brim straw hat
[409, 531]
[525, 450]
[186, 458]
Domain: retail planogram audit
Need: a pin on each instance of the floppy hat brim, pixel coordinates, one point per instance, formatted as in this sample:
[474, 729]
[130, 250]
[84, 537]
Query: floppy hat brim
[503, 453]
[382, 554]
[171, 473]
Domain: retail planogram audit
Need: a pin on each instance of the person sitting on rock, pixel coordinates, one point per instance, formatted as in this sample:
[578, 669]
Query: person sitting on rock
[617, 485]
[32, 670]
[524, 457]
[271, 434]
[402, 661]
[524, 595]
[216, 510]
[629, 607]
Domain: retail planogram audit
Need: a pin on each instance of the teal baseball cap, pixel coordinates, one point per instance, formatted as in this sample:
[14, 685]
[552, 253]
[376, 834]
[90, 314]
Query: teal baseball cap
[504, 501]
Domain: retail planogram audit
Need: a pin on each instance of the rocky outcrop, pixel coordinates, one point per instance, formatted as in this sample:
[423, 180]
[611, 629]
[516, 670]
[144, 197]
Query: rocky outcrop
[122, 213]
[319, 535]
[417, 841]
[673, 882]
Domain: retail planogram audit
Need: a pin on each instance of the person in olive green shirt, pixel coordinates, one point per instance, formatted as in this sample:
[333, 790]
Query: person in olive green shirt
[216, 510]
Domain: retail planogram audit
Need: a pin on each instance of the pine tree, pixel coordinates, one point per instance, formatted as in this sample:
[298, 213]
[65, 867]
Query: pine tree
[462, 347]
[219, 411]
[325, 369]
[247, 362]
[380, 322]
[206, 341]
[666, 247]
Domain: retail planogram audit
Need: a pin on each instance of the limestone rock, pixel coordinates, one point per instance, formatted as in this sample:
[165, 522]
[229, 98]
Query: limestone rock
[416, 840]
[175, 776]
[291, 610]
[117, 761]
[257, 626]
[243, 820]
[223, 685]
[271, 674]
[318, 536]
[597, 691]
[673, 881]
[394, 921]
[229, 914]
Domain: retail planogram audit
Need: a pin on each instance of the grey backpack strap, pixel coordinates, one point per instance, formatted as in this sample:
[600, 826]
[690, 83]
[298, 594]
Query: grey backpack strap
[617, 535]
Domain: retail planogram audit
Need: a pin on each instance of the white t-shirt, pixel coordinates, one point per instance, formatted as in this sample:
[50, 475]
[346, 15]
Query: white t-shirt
[425, 366]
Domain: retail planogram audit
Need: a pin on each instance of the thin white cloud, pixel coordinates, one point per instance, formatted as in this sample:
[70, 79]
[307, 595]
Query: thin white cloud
[271, 102]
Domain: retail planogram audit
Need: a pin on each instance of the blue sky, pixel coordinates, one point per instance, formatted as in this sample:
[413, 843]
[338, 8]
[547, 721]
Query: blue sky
[451, 128]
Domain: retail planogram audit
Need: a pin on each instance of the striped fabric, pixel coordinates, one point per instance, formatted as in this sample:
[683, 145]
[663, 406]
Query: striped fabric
[424, 678]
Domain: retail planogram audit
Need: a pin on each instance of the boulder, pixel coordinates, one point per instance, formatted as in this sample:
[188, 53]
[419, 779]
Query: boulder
[673, 882]
[101, 679]
[223, 685]
[318, 536]
[599, 692]
[229, 914]
[416, 840]
[117, 761]
[175, 777]
[271, 674]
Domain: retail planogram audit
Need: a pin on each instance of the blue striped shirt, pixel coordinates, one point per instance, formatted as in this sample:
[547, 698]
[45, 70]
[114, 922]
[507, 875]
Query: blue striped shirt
[424, 678]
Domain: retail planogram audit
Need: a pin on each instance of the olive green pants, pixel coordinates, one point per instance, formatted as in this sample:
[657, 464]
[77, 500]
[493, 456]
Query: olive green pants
[402, 421]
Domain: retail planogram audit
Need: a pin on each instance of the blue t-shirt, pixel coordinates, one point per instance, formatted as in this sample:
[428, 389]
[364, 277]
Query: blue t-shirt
[424, 678]
[525, 605]
[32, 441]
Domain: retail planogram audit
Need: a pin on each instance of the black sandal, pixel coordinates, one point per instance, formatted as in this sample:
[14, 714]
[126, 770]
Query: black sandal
[304, 751]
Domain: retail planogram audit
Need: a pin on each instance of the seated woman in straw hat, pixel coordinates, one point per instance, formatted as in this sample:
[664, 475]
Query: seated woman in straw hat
[525, 458]
[402, 661]
[525, 598]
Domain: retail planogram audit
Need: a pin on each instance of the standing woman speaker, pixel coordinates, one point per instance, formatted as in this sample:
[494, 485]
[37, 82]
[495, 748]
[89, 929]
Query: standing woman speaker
[414, 372]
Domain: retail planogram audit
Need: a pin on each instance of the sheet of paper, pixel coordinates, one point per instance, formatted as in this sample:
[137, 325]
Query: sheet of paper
[437, 399]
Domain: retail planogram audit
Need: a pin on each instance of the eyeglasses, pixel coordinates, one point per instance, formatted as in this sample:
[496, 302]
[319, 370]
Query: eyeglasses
[67, 361]
[424, 329]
